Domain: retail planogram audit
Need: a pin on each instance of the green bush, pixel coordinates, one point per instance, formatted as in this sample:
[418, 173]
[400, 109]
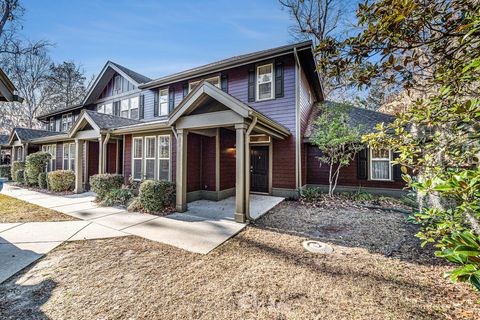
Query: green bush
[117, 197]
[101, 184]
[34, 164]
[311, 194]
[17, 165]
[20, 176]
[156, 196]
[60, 180]
[6, 171]
[42, 180]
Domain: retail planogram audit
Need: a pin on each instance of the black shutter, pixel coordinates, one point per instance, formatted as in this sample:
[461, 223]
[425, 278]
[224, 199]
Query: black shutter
[155, 103]
[362, 164]
[251, 85]
[279, 80]
[116, 108]
[397, 169]
[224, 82]
[171, 99]
[185, 89]
[141, 111]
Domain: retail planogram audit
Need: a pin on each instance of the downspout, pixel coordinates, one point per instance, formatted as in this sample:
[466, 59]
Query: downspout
[247, 167]
[104, 152]
[298, 138]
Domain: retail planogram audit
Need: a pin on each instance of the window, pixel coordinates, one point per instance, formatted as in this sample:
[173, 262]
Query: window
[264, 82]
[106, 108]
[124, 108]
[101, 108]
[137, 158]
[52, 150]
[164, 157]
[67, 121]
[134, 108]
[51, 124]
[150, 158]
[117, 87]
[380, 164]
[69, 156]
[163, 102]
[213, 80]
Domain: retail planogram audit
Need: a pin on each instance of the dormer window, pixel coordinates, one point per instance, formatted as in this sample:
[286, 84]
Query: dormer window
[67, 121]
[213, 80]
[265, 82]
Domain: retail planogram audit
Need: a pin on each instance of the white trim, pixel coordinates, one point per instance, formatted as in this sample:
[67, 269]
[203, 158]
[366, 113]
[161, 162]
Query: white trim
[169, 156]
[390, 167]
[272, 81]
[67, 122]
[133, 158]
[167, 102]
[196, 82]
[52, 150]
[70, 158]
[154, 158]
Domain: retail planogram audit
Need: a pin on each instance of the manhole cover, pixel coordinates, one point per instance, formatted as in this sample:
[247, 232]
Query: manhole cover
[317, 247]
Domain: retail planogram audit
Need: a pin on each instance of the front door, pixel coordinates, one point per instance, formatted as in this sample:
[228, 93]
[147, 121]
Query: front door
[259, 169]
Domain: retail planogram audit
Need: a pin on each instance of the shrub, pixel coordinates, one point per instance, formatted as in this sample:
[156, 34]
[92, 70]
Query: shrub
[101, 184]
[6, 171]
[134, 205]
[17, 165]
[60, 180]
[117, 197]
[156, 196]
[34, 164]
[20, 176]
[42, 180]
[311, 194]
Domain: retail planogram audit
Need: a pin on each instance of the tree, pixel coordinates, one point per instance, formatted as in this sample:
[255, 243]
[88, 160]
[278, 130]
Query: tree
[337, 140]
[430, 47]
[65, 85]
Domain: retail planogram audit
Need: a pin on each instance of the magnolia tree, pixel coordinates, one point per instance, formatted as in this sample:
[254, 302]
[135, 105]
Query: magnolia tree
[430, 45]
[337, 140]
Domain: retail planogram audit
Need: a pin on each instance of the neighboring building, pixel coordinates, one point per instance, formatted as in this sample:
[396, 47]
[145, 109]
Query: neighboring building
[227, 128]
[7, 89]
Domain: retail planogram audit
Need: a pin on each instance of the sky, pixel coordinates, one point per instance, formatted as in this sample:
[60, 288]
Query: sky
[154, 38]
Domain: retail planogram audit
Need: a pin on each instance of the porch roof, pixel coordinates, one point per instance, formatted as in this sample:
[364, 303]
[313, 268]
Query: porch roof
[100, 122]
[28, 135]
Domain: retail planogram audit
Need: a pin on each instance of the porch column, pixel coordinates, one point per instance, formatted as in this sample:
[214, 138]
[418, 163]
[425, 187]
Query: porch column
[100, 155]
[181, 179]
[78, 166]
[240, 204]
[13, 156]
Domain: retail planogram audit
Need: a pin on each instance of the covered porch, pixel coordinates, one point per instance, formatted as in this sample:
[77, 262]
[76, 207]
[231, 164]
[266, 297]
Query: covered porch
[209, 112]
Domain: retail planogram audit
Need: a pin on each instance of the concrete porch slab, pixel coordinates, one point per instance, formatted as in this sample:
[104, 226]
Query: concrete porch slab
[96, 231]
[32, 232]
[124, 220]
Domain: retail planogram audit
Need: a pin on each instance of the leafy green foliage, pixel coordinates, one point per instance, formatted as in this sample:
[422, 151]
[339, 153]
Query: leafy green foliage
[34, 164]
[156, 196]
[61, 180]
[337, 140]
[311, 194]
[101, 184]
[117, 197]
[6, 171]
[17, 165]
[42, 180]
[20, 176]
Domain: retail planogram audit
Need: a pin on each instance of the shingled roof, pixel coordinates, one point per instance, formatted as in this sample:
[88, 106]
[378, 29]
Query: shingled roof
[365, 119]
[26, 134]
[139, 78]
[108, 121]
[4, 139]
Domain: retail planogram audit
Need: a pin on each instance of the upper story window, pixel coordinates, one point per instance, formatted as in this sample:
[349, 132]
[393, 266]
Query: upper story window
[106, 108]
[67, 121]
[117, 84]
[129, 108]
[134, 113]
[163, 102]
[213, 80]
[264, 86]
[124, 106]
[51, 124]
[380, 164]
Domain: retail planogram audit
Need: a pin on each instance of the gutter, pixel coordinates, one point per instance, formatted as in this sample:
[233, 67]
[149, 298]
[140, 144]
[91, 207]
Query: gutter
[247, 167]
[298, 166]
[104, 152]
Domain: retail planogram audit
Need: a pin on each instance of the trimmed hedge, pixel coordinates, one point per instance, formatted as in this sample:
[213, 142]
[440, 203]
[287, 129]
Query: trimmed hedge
[117, 197]
[17, 165]
[156, 196]
[6, 171]
[35, 164]
[20, 176]
[61, 180]
[42, 180]
[101, 184]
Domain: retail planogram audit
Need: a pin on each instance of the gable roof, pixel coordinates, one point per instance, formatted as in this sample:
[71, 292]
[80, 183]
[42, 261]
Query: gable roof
[137, 77]
[26, 134]
[366, 119]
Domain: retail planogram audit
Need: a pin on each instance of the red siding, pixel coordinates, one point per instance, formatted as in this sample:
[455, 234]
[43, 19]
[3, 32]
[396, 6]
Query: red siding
[127, 163]
[194, 179]
[112, 157]
[93, 154]
[227, 159]
[284, 163]
[208, 163]
[348, 174]
[59, 163]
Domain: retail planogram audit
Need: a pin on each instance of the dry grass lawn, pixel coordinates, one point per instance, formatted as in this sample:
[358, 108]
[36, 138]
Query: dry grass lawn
[262, 273]
[14, 210]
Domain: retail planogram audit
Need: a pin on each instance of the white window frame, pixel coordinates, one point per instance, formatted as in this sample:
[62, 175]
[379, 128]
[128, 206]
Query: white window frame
[52, 150]
[110, 104]
[67, 121]
[130, 107]
[144, 154]
[133, 158]
[70, 158]
[101, 108]
[370, 167]
[117, 84]
[51, 124]
[169, 156]
[127, 110]
[257, 84]
[192, 84]
[162, 95]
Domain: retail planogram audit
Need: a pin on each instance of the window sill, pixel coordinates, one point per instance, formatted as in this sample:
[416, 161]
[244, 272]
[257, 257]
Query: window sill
[263, 100]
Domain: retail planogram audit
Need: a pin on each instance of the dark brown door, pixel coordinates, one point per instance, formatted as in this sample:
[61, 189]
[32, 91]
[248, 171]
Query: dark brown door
[259, 169]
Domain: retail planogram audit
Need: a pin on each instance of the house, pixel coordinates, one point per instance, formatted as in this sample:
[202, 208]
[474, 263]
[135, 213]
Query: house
[7, 89]
[227, 128]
